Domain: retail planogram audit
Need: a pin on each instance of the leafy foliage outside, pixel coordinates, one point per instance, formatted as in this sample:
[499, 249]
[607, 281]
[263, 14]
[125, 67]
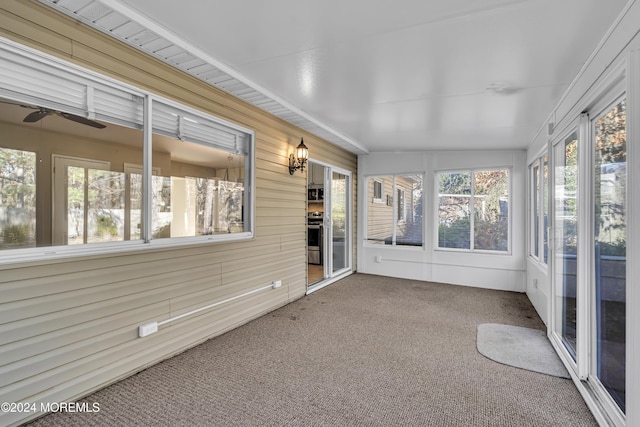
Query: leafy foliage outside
[611, 181]
[488, 204]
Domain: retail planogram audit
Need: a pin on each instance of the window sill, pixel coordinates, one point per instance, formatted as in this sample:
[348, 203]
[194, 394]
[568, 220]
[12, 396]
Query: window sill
[51, 254]
[382, 245]
[473, 251]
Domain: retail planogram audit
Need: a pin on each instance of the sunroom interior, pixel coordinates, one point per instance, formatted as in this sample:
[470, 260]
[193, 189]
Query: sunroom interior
[147, 204]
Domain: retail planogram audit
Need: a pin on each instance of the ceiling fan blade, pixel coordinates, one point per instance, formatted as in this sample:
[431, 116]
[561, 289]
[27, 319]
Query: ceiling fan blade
[82, 120]
[35, 116]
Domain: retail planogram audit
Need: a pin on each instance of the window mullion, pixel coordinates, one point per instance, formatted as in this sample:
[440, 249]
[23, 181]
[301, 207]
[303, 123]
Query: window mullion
[472, 213]
[147, 186]
[394, 210]
[540, 195]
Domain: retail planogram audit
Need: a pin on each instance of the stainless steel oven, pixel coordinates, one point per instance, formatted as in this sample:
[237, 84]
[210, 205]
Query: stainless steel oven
[314, 237]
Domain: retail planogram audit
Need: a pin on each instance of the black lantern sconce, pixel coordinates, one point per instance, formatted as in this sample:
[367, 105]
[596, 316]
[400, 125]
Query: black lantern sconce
[297, 161]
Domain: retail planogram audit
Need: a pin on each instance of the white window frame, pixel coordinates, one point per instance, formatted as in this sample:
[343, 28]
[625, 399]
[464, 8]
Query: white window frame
[536, 200]
[401, 211]
[112, 90]
[394, 208]
[380, 199]
[436, 208]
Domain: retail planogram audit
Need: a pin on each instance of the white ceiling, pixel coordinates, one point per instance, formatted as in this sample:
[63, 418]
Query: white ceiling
[389, 75]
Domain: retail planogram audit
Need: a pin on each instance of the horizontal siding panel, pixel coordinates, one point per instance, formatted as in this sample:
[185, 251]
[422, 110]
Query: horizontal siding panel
[43, 344]
[13, 25]
[61, 282]
[264, 204]
[47, 304]
[231, 313]
[280, 221]
[24, 328]
[245, 283]
[258, 264]
[11, 274]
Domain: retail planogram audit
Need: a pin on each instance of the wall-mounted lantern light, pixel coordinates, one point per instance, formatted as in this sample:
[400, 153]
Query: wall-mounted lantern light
[297, 161]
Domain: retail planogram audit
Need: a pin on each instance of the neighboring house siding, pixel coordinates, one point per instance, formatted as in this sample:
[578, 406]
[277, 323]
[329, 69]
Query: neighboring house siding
[380, 214]
[69, 326]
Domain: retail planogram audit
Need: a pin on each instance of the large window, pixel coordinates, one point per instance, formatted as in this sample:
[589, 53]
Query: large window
[539, 214]
[473, 210]
[399, 221]
[77, 169]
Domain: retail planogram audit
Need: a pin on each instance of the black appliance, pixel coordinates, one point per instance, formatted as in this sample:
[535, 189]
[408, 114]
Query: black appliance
[314, 237]
[315, 194]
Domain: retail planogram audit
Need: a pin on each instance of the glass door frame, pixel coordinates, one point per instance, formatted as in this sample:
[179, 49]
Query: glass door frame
[609, 99]
[331, 276]
[578, 367]
[584, 368]
[328, 222]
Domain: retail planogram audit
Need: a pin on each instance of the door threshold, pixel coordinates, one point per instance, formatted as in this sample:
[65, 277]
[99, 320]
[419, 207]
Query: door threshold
[321, 284]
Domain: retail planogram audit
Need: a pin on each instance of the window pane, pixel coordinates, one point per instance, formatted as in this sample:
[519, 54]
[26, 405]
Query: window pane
[76, 197]
[135, 205]
[409, 225]
[535, 211]
[379, 210]
[454, 225]
[611, 249]
[199, 189]
[105, 220]
[79, 173]
[566, 239]
[491, 210]
[339, 226]
[17, 199]
[545, 206]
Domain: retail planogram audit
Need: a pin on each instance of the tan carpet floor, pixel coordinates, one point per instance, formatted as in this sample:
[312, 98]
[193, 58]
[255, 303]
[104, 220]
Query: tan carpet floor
[367, 350]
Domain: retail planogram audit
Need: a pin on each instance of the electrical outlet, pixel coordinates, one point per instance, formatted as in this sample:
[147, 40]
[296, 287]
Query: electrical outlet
[276, 284]
[535, 283]
[378, 258]
[147, 329]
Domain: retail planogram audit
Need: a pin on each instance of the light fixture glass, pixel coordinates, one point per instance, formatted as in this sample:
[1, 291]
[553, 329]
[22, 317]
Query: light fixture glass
[298, 161]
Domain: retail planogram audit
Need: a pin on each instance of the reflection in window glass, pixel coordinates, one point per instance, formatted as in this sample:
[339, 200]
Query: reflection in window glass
[95, 209]
[80, 176]
[203, 193]
[611, 249]
[89, 164]
[105, 220]
[17, 199]
[134, 211]
[76, 198]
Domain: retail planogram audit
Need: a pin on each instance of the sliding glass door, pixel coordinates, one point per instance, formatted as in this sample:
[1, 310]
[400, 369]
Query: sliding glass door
[329, 218]
[589, 270]
[566, 241]
[339, 221]
[610, 250]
